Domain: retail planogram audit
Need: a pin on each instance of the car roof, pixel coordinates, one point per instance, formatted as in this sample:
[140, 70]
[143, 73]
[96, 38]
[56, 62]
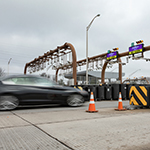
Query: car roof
[18, 76]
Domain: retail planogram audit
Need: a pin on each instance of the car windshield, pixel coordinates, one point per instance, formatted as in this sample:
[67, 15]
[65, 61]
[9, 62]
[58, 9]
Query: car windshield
[33, 81]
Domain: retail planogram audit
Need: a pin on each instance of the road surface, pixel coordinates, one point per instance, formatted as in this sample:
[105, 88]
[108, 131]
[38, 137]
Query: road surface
[65, 128]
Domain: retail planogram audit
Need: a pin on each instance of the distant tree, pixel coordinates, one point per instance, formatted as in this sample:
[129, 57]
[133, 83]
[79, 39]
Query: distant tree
[43, 74]
[1, 72]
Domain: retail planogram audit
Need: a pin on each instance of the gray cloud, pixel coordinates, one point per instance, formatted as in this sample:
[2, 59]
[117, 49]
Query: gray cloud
[30, 28]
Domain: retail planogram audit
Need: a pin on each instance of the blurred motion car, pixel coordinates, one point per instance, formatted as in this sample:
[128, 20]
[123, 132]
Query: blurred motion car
[20, 90]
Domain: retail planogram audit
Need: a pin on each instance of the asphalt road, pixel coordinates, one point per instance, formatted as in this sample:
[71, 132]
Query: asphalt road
[57, 107]
[66, 128]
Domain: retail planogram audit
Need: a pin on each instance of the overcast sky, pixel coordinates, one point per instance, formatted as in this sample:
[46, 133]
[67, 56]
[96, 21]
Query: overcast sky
[28, 28]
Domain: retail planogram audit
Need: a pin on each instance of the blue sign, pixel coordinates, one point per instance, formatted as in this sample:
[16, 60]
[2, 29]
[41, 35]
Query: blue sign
[136, 49]
[112, 55]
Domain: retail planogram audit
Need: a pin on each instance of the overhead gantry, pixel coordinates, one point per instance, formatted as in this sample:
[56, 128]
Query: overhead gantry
[147, 48]
[57, 59]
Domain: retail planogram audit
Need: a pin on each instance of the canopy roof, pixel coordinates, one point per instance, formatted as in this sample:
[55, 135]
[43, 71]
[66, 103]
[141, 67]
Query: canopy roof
[96, 74]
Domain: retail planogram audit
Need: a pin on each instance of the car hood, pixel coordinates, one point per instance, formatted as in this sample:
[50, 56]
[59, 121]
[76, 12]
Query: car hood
[65, 87]
[68, 88]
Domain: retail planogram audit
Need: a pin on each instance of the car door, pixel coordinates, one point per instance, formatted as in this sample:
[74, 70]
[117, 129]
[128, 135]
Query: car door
[41, 90]
[35, 92]
[26, 90]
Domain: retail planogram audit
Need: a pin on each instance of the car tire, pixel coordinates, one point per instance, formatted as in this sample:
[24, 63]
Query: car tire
[75, 100]
[8, 102]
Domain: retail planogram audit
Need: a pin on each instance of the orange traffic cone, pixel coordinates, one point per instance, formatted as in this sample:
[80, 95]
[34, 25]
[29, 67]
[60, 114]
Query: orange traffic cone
[92, 104]
[120, 107]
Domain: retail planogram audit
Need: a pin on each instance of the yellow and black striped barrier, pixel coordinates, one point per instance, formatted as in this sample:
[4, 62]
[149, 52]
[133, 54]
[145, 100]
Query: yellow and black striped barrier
[139, 95]
[78, 87]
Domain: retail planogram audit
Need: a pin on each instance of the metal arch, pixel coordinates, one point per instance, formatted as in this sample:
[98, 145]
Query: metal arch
[25, 68]
[103, 72]
[51, 52]
[104, 67]
[80, 63]
[83, 62]
[73, 64]
[120, 70]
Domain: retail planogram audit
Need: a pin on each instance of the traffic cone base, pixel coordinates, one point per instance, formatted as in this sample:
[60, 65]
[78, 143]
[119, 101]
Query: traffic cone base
[123, 109]
[92, 111]
[120, 107]
[91, 108]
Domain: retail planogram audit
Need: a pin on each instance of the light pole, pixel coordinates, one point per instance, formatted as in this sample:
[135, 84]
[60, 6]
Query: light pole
[113, 69]
[87, 28]
[134, 73]
[8, 64]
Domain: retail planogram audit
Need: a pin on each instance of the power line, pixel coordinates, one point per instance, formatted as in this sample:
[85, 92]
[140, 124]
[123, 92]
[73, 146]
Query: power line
[16, 53]
[24, 49]
[15, 45]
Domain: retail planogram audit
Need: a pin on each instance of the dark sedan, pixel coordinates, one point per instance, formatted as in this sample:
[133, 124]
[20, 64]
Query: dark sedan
[33, 90]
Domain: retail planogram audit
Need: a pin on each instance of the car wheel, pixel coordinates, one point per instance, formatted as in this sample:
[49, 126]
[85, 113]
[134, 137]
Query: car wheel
[75, 100]
[8, 102]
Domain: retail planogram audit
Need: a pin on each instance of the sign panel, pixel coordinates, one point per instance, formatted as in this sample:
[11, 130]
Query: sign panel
[139, 95]
[136, 49]
[112, 55]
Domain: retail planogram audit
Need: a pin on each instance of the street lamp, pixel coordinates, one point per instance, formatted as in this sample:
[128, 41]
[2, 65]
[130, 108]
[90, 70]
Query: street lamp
[8, 64]
[87, 28]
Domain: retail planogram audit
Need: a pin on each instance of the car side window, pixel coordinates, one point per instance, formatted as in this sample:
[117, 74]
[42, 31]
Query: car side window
[8, 82]
[13, 81]
[17, 81]
[33, 81]
[43, 82]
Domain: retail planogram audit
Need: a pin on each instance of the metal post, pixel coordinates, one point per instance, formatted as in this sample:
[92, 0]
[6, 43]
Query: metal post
[8, 64]
[87, 28]
[87, 56]
[134, 72]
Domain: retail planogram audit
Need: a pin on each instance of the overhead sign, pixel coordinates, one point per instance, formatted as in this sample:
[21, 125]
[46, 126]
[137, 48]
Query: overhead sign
[112, 55]
[136, 49]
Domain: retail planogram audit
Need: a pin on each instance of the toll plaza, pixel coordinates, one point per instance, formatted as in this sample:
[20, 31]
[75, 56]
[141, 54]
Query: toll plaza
[64, 58]
[65, 128]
